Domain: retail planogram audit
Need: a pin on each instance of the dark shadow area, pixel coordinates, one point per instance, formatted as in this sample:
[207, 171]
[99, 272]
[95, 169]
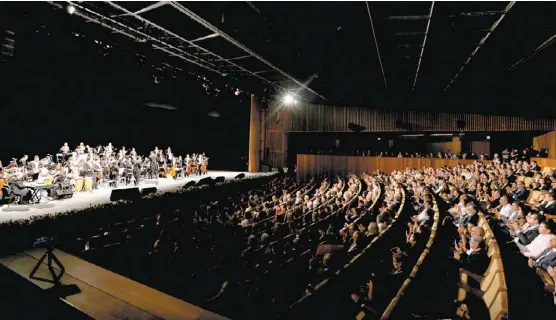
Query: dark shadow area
[23, 300]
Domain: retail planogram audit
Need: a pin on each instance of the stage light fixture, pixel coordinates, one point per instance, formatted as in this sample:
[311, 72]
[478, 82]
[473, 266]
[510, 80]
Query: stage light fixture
[488, 137]
[289, 99]
[70, 9]
[237, 93]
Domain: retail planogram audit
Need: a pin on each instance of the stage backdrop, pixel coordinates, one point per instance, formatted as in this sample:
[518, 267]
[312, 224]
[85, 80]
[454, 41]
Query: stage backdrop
[309, 165]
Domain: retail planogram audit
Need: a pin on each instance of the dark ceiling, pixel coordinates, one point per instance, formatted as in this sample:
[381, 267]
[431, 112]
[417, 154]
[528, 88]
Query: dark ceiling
[488, 57]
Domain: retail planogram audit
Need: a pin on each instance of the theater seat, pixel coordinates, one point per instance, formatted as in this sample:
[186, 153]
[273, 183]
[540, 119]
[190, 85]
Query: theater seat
[496, 298]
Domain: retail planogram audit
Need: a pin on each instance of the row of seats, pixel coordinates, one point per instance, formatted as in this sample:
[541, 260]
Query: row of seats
[493, 289]
[347, 267]
[387, 313]
[113, 234]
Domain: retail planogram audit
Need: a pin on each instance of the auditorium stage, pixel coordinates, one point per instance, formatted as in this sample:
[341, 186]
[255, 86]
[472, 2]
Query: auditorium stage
[82, 200]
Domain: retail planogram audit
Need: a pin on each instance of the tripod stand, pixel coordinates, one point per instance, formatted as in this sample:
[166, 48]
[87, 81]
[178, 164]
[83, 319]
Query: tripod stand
[49, 254]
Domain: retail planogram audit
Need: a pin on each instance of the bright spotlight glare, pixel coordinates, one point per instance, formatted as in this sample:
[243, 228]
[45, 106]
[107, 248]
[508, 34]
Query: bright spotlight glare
[288, 99]
[71, 9]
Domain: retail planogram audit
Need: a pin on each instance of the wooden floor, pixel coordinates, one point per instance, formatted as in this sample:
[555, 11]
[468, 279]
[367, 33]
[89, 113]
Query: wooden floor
[100, 293]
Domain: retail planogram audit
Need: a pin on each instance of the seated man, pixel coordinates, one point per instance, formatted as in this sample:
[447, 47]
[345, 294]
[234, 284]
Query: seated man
[541, 242]
[546, 259]
[475, 259]
[18, 187]
[548, 206]
[521, 194]
[525, 234]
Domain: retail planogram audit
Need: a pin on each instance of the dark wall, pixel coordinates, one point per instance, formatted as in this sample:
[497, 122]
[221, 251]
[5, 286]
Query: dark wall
[60, 87]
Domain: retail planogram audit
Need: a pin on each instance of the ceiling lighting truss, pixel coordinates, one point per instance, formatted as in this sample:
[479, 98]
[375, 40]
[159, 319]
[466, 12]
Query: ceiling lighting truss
[548, 42]
[418, 33]
[376, 45]
[231, 40]
[415, 17]
[202, 49]
[137, 35]
[210, 36]
[423, 46]
[482, 42]
[143, 30]
[477, 14]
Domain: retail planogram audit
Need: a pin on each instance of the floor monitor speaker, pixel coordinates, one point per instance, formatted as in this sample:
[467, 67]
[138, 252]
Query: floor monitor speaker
[148, 190]
[131, 194]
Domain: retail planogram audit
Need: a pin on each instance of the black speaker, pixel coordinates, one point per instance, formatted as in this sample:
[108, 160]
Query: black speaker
[240, 176]
[205, 181]
[460, 124]
[148, 190]
[189, 184]
[62, 194]
[132, 194]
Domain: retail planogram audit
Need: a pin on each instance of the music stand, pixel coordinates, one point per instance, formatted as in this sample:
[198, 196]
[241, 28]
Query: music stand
[49, 254]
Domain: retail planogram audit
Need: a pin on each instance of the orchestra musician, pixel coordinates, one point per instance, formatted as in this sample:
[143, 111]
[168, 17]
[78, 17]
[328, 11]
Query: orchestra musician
[18, 187]
[198, 165]
[154, 164]
[98, 162]
[108, 150]
[187, 165]
[114, 171]
[204, 164]
[34, 167]
[23, 161]
[96, 172]
[80, 148]
[137, 170]
[65, 149]
[46, 161]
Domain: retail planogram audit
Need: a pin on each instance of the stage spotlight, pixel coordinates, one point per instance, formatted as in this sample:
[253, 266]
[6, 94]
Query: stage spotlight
[289, 99]
[237, 93]
[70, 9]
[488, 137]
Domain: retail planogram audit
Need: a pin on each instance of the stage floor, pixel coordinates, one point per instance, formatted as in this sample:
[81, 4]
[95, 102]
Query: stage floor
[82, 200]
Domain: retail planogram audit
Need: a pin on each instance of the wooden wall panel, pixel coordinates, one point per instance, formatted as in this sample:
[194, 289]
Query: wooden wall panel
[545, 162]
[318, 118]
[310, 165]
[255, 136]
[546, 141]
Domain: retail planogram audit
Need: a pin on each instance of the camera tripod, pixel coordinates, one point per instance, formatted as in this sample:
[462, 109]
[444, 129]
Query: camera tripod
[49, 254]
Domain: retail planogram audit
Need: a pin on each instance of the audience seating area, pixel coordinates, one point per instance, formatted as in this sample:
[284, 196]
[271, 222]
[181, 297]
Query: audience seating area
[464, 242]
[492, 289]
